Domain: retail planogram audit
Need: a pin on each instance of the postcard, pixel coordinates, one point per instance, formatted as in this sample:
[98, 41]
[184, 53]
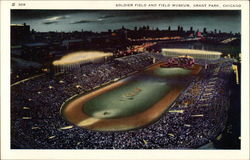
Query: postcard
[125, 80]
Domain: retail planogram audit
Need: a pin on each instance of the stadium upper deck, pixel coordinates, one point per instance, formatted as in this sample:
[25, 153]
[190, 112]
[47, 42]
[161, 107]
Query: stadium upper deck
[199, 54]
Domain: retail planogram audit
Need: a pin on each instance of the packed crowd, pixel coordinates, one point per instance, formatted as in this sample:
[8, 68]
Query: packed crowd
[36, 121]
[184, 62]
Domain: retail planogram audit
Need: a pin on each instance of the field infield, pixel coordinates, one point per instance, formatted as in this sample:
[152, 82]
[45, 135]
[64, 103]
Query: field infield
[129, 103]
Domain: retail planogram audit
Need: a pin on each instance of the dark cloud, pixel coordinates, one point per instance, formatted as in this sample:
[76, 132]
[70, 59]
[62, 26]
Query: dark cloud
[160, 14]
[107, 16]
[86, 21]
[39, 14]
[50, 22]
[82, 21]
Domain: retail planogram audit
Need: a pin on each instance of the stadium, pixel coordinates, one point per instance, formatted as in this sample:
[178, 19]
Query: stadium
[130, 102]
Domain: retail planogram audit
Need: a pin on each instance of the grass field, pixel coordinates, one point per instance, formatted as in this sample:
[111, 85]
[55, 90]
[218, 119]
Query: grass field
[139, 94]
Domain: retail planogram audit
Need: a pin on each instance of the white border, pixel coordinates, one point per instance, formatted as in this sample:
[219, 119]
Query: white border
[6, 153]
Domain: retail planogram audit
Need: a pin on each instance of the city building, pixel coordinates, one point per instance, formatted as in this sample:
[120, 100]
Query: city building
[19, 33]
[36, 51]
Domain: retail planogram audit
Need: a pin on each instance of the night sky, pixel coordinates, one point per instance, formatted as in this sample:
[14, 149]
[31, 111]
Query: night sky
[102, 20]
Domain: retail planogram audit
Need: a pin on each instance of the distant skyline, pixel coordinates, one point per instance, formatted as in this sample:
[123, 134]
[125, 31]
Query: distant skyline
[102, 20]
